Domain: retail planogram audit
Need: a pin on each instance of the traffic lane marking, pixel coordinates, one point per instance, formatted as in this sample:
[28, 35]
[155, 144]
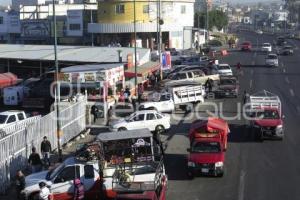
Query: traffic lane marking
[292, 92]
[251, 83]
[242, 185]
[287, 80]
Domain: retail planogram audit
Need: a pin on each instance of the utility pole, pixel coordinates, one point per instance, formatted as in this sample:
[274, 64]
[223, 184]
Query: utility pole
[135, 53]
[92, 21]
[160, 38]
[57, 94]
[207, 31]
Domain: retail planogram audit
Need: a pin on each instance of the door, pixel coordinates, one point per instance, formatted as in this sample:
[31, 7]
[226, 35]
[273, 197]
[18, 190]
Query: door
[136, 122]
[151, 121]
[63, 184]
[91, 181]
[166, 103]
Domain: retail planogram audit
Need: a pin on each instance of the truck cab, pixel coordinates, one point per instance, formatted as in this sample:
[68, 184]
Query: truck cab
[266, 118]
[10, 117]
[208, 143]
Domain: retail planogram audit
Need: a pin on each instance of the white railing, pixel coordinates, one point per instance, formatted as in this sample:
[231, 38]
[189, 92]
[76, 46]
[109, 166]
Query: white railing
[16, 147]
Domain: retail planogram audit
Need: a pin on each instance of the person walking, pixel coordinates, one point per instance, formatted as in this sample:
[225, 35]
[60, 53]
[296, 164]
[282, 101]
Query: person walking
[133, 102]
[78, 190]
[35, 161]
[94, 111]
[127, 94]
[20, 184]
[109, 115]
[46, 149]
[44, 193]
[140, 92]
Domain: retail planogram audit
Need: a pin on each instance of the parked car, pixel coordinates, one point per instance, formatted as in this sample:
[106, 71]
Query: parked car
[266, 47]
[280, 41]
[9, 117]
[246, 46]
[227, 87]
[150, 119]
[272, 60]
[286, 50]
[222, 69]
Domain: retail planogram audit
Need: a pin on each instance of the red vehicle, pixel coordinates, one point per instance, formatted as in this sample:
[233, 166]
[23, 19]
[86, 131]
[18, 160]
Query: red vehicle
[246, 46]
[208, 142]
[267, 118]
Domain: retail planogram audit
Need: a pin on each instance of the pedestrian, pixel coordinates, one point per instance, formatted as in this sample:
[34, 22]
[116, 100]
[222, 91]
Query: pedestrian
[44, 191]
[109, 115]
[94, 111]
[35, 161]
[20, 184]
[245, 97]
[238, 66]
[121, 97]
[133, 102]
[46, 149]
[152, 80]
[127, 94]
[78, 189]
[208, 85]
[140, 92]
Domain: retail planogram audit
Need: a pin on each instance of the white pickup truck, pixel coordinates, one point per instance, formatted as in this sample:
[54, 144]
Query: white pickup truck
[167, 101]
[9, 117]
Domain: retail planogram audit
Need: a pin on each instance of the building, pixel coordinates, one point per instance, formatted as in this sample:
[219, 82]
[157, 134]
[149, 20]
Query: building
[115, 23]
[9, 26]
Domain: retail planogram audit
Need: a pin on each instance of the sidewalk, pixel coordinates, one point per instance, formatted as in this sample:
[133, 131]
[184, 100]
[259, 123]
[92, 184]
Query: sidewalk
[68, 151]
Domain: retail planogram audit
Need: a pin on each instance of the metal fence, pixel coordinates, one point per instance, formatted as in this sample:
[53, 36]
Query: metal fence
[16, 147]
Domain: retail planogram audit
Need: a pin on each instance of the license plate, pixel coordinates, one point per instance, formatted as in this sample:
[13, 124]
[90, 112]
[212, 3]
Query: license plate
[204, 170]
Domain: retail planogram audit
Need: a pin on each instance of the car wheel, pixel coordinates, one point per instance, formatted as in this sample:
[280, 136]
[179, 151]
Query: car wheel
[159, 129]
[221, 174]
[122, 129]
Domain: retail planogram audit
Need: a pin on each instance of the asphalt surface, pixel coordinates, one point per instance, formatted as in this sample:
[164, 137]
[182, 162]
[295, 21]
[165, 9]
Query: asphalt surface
[253, 170]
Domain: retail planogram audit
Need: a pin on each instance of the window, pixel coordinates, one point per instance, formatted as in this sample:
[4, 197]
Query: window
[139, 117]
[146, 9]
[151, 116]
[190, 74]
[11, 119]
[183, 10]
[120, 9]
[1, 20]
[68, 174]
[20, 116]
[158, 116]
[165, 97]
[74, 27]
[89, 171]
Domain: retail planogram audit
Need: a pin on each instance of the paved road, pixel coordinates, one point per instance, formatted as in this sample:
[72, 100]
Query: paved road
[260, 171]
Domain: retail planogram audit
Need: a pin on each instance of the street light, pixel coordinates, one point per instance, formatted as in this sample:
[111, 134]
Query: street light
[57, 94]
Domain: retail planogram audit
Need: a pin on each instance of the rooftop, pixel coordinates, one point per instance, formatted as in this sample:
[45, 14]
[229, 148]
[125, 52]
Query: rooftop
[84, 54]
[123, 135]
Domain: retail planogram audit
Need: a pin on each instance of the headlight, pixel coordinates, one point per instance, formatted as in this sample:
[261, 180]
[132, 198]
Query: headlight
[279, 127]
[219, 164]
[191, 164]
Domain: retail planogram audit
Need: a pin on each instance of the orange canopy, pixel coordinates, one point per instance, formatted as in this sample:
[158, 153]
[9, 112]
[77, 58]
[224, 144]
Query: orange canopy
[7, 79]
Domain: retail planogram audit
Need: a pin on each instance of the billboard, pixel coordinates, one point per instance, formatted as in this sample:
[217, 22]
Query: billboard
[166, 60]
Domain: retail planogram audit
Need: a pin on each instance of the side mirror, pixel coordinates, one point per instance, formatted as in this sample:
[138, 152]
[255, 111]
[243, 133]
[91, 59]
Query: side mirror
[188, 149]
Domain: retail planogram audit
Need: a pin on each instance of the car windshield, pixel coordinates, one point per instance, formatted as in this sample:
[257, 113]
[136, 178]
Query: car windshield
[227, 81]
[206, 147]
[272, 57]
[3, 119]
[52, 173]
[266, 45]
[268, 114]
[224, 67]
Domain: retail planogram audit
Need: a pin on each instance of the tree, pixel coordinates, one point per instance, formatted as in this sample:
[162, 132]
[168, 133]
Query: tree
[216, 18]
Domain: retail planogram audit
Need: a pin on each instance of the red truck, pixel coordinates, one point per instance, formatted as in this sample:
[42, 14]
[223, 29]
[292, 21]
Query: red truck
[246, 46]
[208, 143]
[266, 115]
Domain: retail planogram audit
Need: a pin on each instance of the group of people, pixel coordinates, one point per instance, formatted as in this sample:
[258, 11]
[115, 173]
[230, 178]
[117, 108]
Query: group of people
[153, 78]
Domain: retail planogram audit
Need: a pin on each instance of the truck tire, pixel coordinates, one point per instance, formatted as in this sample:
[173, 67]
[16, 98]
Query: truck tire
[122, 129]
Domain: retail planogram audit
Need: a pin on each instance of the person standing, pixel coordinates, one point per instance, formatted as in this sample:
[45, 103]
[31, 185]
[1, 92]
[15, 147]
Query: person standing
[133, 102]
[109, 115]
[44, 191]
[46, 149]
[78, 189]
[94, 111]
[127, 94]
[140, 92]
[35, 161]
[20, 184]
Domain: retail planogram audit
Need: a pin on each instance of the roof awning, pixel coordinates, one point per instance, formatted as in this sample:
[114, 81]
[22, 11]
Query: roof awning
[7, 79]
[142, 70]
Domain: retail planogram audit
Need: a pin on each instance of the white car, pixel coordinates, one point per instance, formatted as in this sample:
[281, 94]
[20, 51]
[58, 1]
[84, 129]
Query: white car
[162, 103]
[272, 60]
[266, 47]
[222, 69]
[259, 32]
[150, 119]
[10, 117]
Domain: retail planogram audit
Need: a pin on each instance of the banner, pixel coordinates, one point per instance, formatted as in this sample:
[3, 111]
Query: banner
[166, 60]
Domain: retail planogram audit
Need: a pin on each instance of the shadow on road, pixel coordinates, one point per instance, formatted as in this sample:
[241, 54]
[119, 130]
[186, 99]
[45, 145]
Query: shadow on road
[240, 134]
[173, 162]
